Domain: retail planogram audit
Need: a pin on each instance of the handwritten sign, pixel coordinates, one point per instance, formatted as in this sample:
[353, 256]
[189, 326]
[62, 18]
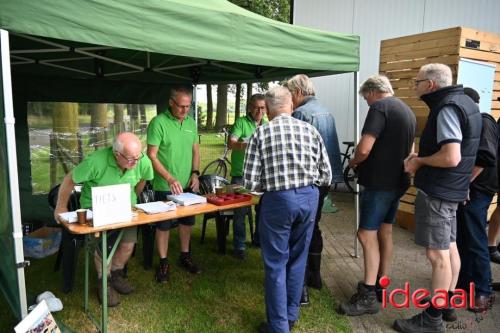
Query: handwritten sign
[111, 204]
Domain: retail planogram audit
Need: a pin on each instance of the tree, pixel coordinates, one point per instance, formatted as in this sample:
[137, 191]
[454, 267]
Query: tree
[210, 107]
[221, 117]
[237, 103]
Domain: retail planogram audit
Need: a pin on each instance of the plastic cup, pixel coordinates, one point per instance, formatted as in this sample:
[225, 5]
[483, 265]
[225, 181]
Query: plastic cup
[82, 216]
[219, 190]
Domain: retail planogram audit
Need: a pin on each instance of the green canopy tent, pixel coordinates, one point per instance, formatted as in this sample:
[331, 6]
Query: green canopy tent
[129, 51]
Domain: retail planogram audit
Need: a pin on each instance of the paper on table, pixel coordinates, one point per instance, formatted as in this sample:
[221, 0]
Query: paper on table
[156, 207]
[186, 199]
[256, 193]
[71, 217]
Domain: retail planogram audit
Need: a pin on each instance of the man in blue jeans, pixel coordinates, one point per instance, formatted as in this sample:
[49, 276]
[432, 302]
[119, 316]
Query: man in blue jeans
[387, 138]
[285, 158]
[241, 132]
[472, 215]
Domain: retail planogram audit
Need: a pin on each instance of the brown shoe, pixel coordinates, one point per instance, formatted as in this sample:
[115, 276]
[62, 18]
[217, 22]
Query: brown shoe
[482, 304]
[113, 298]
[119, 283]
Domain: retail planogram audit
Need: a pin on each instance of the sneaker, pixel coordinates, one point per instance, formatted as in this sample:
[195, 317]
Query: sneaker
[119, 283]
[163, 273]
[239, 254]
[264, 326]
[421, 322]
[113, 298]
[187, 263]
[495, 256]
[362, 302]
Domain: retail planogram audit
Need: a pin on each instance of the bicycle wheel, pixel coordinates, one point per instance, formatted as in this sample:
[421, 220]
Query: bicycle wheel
[350, 176]
[217, 168]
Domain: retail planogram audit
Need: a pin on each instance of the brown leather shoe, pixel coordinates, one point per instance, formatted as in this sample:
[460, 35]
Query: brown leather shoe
[119, 283]
[482, 304]
[113, 299]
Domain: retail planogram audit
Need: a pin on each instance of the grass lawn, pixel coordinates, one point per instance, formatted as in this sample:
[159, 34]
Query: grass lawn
[227, 297]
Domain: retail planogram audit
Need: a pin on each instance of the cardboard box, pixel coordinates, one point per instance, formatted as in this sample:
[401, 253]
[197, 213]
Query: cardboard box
[42, 242]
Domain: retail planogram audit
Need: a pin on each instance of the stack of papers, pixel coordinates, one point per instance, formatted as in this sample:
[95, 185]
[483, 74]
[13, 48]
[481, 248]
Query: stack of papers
[187, 199]
[71, 217]
[156, 207]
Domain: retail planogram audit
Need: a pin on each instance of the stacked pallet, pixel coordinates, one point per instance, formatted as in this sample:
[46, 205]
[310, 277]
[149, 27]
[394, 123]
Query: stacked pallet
[400, 60]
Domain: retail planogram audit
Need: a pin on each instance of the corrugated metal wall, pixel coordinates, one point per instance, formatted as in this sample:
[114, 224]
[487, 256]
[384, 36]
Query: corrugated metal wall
[376, 20]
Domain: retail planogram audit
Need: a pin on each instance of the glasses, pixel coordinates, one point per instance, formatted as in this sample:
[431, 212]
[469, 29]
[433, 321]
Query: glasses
[180, 106]
[418, 81]
[131, 160]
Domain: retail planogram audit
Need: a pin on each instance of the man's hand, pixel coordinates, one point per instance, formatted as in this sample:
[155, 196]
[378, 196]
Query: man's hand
[352, 164]
[194, 183]
[175, 186]
[411, 163]
[58, 211]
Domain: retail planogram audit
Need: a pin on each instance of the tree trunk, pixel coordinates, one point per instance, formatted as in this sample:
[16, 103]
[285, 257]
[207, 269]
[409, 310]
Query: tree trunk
[237, 103]
[64, 145]
[98, 125]
[118, 124]
[249, 92]
[221, 116]
[143, 121]
[133, 111]
[210, 107]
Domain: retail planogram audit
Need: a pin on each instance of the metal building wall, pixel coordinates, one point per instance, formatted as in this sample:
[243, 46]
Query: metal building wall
[376, 20]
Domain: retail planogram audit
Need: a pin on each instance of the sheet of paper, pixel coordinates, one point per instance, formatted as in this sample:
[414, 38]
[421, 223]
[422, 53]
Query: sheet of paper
[111, 204]
[71, 217]
[156, 207]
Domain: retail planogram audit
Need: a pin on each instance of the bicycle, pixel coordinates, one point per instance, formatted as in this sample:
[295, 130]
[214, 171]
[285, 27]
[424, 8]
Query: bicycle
[349, 174]
[218, 167]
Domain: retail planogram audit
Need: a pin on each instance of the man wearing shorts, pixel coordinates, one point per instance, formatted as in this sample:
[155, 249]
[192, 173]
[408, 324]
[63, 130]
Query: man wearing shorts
[387, 138]
[443, 168]
[174, 151]
[124, 163]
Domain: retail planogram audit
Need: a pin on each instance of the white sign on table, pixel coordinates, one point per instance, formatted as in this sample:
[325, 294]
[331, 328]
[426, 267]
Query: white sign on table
[111, 204]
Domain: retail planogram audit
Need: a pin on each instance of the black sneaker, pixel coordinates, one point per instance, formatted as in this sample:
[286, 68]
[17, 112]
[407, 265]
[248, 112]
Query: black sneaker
[163, 273]
[304, 298]
[187, 263]
[495, 256]
[420, 323]
[362, 302]
[264, 326]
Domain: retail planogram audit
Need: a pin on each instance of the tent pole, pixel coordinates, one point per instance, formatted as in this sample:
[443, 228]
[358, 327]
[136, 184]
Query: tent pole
[12, 165]
[356, 140]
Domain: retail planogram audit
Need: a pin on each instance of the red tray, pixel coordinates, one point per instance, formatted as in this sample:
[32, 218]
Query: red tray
[228, 199]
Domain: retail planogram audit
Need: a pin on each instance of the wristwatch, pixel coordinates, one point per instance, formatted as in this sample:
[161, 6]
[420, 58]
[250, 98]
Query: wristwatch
[195, 172]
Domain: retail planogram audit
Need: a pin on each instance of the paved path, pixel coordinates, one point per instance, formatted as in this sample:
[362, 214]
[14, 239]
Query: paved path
[341, 271]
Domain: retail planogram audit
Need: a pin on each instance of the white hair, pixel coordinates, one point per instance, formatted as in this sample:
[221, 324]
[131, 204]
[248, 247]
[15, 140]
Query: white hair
[302, 83]
[440, 74]
[378, 83]
[277, 99]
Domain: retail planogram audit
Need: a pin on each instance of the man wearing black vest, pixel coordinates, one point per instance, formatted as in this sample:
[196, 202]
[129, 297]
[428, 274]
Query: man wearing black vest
[443, 168]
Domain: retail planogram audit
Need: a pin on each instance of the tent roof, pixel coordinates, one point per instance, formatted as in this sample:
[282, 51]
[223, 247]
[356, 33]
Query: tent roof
[161, 41]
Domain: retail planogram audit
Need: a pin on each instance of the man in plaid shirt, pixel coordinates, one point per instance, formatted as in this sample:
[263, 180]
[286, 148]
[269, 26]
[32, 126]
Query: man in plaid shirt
[286, 158]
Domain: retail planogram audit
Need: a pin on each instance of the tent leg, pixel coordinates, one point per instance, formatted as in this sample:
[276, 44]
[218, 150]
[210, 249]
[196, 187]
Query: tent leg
[356, 140]
[12, 165]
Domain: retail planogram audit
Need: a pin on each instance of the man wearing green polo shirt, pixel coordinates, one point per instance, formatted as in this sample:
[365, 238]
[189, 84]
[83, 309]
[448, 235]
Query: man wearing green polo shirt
[123, 163]
[174, 152]
[241, 132]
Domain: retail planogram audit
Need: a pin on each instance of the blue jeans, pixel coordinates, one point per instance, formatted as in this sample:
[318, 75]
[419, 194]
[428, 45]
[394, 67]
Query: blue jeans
[472, 243]
[377, 207]
[286, 225]
[239, 230]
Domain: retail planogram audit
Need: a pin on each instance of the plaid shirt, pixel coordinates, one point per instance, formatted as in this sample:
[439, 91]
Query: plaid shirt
[286, 153]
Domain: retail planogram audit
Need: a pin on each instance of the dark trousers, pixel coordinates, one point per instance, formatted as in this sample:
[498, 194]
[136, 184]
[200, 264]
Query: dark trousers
[286, 225]
[316, 247]
[472, 243]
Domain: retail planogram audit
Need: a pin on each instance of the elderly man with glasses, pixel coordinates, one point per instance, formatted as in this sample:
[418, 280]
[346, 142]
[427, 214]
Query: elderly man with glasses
[123, 163]
[174, 152]
[443, 167]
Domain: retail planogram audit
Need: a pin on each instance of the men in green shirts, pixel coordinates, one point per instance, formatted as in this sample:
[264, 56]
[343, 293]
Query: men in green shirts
[241, 132]
[174, 152]
[123, 163]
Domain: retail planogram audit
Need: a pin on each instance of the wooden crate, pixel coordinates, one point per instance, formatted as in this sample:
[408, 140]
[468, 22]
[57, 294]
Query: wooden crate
[400, 60]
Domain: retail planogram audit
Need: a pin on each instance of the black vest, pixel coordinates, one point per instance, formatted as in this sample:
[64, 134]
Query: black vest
[449, 184]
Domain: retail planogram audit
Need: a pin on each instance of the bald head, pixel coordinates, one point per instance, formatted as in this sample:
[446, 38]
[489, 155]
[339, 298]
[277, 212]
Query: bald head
[278, 101]
[127, 148]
